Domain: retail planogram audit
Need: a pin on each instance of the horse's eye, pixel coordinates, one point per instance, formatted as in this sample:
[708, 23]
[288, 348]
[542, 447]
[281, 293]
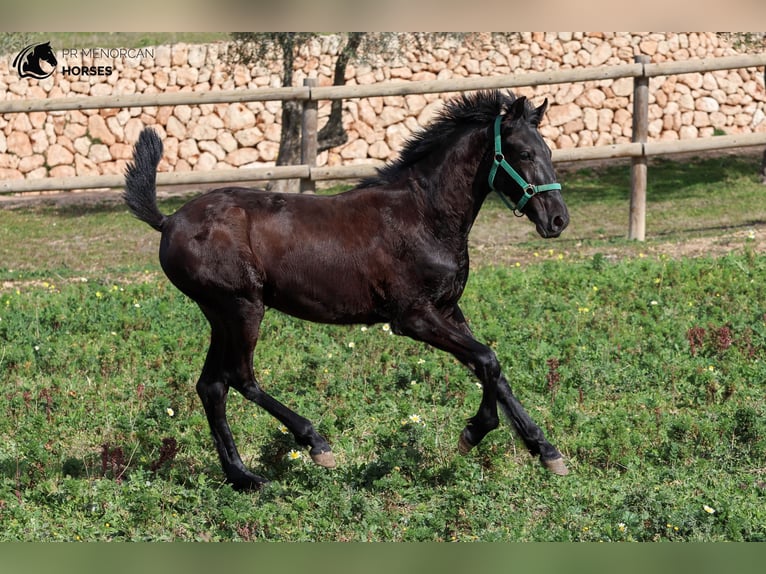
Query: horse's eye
[525, 156]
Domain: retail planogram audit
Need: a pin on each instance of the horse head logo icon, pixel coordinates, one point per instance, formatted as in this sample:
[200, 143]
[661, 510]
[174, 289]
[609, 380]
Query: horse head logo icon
[28, 62]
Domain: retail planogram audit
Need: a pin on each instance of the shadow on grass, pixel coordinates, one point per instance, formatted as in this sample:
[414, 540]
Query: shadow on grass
[399, 457]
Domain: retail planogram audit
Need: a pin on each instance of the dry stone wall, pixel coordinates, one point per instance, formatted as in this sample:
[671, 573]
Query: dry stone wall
[222, 136]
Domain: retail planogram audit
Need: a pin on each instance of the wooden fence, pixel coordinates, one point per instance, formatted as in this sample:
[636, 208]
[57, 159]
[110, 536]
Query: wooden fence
[638, 150]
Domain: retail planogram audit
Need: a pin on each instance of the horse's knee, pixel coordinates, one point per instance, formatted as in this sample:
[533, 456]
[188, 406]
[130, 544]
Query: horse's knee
[211, 392]
[478, 427]
[486, 421]
[487, 367]
[252, 392]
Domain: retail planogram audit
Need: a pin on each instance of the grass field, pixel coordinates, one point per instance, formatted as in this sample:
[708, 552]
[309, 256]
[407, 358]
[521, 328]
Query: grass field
[644, 366]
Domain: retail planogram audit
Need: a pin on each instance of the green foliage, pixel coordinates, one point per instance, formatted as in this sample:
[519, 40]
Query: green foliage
[747, 42]
[697, 197]
[646, 372]
[12, 42]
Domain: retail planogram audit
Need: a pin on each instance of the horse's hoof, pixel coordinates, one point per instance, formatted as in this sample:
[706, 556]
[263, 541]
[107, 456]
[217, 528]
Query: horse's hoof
[325, 459]
[463, 446]
[556, 466]
[248, 484]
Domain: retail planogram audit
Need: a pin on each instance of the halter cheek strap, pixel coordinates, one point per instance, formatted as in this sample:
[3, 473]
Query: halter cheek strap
[529, 190]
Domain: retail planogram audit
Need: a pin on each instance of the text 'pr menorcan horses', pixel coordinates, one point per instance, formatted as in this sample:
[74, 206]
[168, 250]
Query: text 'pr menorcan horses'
[394, 249]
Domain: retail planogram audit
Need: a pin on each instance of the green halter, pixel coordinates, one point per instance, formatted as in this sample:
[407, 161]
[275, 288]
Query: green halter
[529, 189]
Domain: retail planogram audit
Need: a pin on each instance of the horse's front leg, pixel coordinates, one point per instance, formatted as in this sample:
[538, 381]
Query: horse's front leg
[432, 327]
[530, 433]
[525, 427]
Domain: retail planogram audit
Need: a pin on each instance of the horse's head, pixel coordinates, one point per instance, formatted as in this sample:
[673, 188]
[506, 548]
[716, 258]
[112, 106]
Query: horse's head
[44, 52]
[522, 171]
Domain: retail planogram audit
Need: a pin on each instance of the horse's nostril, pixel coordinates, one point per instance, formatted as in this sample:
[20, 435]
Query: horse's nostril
[558, 223]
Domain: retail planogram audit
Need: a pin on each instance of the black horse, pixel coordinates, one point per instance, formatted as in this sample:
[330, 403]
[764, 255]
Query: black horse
[394, 249]
[28, 61]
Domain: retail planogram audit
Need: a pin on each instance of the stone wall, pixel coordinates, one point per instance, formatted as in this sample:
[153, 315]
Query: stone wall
[221, 136]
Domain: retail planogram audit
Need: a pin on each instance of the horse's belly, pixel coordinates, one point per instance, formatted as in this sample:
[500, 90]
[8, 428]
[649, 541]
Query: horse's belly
[340, 298]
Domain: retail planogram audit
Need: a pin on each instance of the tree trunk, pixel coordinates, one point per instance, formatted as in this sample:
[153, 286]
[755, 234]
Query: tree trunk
[290, 140]
[289, 145]
[333, 134]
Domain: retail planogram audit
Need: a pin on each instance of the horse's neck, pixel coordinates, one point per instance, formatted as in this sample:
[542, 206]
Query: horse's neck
[456, 196]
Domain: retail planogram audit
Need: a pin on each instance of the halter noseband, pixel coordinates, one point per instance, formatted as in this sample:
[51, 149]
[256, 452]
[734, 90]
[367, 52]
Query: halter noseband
[529, 190]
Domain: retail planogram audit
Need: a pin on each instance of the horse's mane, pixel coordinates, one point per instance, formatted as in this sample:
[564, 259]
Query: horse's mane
[460, 113]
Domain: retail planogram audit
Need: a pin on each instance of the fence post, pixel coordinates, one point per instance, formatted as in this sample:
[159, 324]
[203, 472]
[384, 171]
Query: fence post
[638, 168]
[309, 137]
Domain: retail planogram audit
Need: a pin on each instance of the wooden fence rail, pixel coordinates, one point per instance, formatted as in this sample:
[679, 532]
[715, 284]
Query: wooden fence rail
[398, 88]
[641, 70]
[325, 173]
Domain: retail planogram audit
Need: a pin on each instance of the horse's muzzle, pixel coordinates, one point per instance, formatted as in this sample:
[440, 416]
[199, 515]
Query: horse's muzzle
[554, 226]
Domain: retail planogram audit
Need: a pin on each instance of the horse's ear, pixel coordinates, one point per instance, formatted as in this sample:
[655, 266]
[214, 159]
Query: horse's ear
[537, 115]
[518, 108]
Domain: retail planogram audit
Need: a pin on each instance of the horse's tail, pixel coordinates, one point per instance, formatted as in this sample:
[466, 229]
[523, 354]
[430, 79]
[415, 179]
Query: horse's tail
[141, 179]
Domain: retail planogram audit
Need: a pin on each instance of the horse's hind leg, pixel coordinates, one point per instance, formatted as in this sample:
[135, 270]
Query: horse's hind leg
[300, 427]
[213, 395]
[213, 388]
[235, 327]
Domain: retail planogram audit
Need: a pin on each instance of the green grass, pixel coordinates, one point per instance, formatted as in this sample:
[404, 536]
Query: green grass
[654, 429]
[696, 197]
[76, 240]
[645, 368]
